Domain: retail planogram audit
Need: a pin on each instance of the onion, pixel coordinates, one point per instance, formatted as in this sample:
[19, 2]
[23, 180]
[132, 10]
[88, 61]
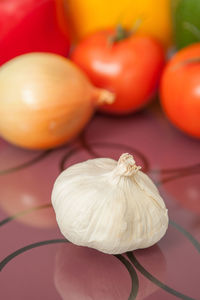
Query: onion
[45, 100]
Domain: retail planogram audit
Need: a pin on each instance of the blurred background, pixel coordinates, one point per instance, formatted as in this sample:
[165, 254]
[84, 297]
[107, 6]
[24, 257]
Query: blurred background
[81, 79]
[143, 37]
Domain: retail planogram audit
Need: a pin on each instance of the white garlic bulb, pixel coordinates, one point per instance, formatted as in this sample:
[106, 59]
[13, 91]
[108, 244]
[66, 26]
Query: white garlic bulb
[108, 205]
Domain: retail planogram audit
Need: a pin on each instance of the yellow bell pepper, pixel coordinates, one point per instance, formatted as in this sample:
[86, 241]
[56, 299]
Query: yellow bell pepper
[87, 16]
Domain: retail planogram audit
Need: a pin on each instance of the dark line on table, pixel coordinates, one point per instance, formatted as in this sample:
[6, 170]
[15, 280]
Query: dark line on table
[26, 164]
[153, 279]
[133, 275]
[7, 259]
[133, 151]
[179, 175]
[67, 156]
[188, 235]
[177, 170]
[89, 147]
[22, 213]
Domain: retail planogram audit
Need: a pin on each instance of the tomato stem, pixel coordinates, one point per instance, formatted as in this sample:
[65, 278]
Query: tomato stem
[120, 34]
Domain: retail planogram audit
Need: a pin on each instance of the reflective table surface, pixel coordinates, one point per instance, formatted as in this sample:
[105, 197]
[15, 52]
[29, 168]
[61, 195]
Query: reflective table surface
[36, 262]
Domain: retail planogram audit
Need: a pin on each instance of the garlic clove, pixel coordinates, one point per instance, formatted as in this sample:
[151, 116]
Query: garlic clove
[108, 205]
[147, 185]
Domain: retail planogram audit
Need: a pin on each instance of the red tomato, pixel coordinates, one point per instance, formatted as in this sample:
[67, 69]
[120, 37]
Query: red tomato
[180, 90]
[130, 68]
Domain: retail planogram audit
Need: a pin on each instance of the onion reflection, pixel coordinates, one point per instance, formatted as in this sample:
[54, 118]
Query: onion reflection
[185, 191]
[25, 196]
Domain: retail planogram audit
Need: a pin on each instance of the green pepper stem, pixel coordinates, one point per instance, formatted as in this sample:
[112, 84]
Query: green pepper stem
[193, 29]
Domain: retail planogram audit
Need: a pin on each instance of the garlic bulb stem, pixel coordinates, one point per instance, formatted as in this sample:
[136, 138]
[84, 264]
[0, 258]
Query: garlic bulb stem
[126, 165]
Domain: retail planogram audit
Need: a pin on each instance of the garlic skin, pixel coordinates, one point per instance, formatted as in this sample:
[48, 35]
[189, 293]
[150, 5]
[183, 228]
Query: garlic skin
[108, 205]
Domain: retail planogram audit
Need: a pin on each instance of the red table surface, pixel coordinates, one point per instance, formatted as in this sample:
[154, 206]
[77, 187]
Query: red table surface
[35, 260]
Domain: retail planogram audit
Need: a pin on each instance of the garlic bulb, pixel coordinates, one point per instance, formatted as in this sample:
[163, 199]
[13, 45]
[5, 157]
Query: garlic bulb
[108, 205]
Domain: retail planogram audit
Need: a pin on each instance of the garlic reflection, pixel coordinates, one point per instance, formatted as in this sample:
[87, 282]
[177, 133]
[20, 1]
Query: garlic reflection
[83, 273]
[108, 205]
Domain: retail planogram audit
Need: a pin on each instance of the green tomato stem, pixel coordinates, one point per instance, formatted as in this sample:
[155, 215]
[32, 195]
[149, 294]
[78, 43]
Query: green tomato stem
[120, 34]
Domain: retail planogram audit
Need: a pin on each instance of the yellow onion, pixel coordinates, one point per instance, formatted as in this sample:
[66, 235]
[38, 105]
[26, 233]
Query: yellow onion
[45, 100]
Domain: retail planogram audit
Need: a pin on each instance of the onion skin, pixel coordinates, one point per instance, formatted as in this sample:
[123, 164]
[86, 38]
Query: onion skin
[45, 100]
